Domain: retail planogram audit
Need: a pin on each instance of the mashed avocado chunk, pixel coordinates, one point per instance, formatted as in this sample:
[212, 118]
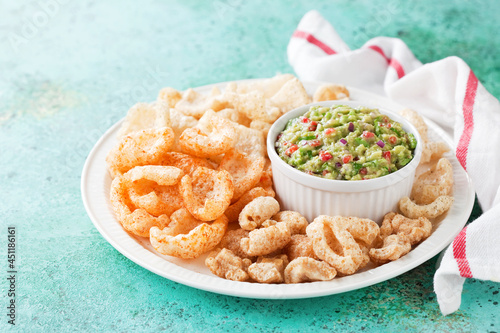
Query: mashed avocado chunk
[345, 143]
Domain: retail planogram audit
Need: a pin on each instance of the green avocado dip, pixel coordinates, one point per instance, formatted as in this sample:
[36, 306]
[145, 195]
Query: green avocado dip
[345, 143]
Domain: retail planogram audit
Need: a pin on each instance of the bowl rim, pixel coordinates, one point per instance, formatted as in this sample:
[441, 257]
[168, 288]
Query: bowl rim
[342, 185]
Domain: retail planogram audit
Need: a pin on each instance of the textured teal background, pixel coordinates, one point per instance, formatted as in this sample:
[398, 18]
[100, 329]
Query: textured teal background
[69, 71]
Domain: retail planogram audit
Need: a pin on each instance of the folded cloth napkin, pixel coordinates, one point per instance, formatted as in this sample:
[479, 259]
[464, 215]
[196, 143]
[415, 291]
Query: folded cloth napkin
[445, 91]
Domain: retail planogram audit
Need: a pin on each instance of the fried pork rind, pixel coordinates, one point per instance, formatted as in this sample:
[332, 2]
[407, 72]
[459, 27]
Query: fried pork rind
[154, 188]
[139, 148]
[245, 170]
[234, 116]
[305, 269]
[330, 92]
[232, 239]
[261, 126]
[212, 136]
[135, 219]
[250, 141]
[207, 194]
[413, 117]
[433, 183]
[225, 264]
[364, 231]
[333, 243]
[269, 87]
[300, 246]
[261, 242]
[186, 163]
[179, 122]
[252, 104]
[195, 104]
[169, 96]
[295, 221]
[199, 240]
[257, 211]
[434, 209]
[290, 96]
[394, 247]
[233, 211]
[416, 230]
[145, 115]
[181, 222]
[433, 150]
[268, 270]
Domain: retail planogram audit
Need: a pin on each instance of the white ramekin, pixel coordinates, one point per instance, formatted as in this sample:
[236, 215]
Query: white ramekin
[313, 196]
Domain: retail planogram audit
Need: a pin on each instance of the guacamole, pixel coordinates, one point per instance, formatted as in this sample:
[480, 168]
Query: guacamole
[345, 143]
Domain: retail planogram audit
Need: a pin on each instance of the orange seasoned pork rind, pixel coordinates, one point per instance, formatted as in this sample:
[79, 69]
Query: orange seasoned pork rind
[330, 92]
[145, 115]
[416, 230]
[195, 104]
[261, 242]
[257, 211]
[133, 218]
[434, 183]
[305, 269]
[233, 211]
[212, 136]
[333, 243]
[300, 246]
[199, 240]
[225, 264]
[436, 208]
[394, 247]
[186, 163]
[207, 194]
[295, 221]
[268, 270]
[245, 170]
[154, 188]
[139, 148]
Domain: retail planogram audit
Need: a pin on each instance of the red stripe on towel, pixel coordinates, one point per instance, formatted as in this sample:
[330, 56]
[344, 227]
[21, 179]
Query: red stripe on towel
[467, 107]
[391, 61]
[313, 40]
[459, 253]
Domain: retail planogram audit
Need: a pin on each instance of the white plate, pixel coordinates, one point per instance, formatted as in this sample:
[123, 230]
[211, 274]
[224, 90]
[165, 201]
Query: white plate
[95, 187]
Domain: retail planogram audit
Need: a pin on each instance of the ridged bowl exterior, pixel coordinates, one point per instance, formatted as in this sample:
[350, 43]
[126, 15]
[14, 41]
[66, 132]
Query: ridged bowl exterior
[313, 196]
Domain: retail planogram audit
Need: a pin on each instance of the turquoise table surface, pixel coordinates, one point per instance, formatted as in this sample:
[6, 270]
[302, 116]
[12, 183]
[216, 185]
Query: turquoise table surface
[71, 69]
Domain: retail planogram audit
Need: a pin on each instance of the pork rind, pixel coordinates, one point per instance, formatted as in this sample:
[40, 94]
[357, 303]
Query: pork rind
[261, 242]
[201, 239]
[330, 92]
[363, 230]
[234, 116]
[195, 104]
[413, 117]
[186, 163]
[245, 170]
[135, 219]
[434, 209]
[181, 222]
[416, 230]
[433, 150]
[257, 211]
[211, 137]
[268, 270]
[225, 264]
[250, 141]
[434, 183]
[333, 243]
[394, 247]
[232, 239]
[207, 194]
[154, 188]
[261, 126]
[290, 96]
[305, 269]
[268, 87]
[145, 115]
[139, 148]
[295, 221]
[169, 96]
[300, 246]
[233, 211]
[179, 122]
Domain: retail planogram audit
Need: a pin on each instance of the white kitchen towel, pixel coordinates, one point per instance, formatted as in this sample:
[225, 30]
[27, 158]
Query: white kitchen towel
[445, 91]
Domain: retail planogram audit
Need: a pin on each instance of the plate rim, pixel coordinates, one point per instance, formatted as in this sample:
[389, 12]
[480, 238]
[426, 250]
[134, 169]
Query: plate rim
[280, 291]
